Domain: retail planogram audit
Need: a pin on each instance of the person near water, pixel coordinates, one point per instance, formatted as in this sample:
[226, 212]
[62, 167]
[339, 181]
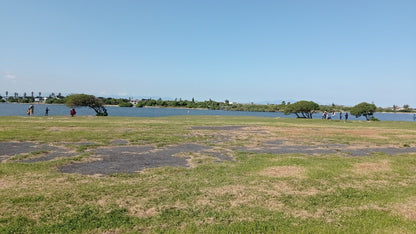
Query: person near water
[346, 116]
[46, 111]
[340, 115]
[73, 112]
[32, 110]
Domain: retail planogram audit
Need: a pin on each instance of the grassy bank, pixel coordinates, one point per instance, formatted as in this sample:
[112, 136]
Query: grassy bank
[253, 193]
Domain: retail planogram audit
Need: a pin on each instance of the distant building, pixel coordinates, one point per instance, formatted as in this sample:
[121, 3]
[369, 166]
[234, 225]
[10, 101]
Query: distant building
[134, 101]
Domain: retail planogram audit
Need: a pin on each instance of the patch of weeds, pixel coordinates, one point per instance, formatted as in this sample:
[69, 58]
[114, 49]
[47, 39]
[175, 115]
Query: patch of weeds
[125, 175]
[28, 199]
[85, 147]
[16, 224]
[20, 157]
[351, 193]
[348, 153]
[64, 161]
[361, 221]
[89, 218]
[406, 145]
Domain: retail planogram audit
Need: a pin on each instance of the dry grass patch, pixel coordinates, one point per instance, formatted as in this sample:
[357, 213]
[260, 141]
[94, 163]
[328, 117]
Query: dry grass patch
[367, 133]
[236, 195]
[139, 211]
[6, 183]
[408, 136]
[194, 159]
[284, 171]
[372, 167]
[280, 188]
[63, 129]
[250, 135]
[407, 208]
[137, 206]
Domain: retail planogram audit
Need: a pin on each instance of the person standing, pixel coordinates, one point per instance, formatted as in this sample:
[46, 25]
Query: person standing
[32, 110]
[73, 112]
[46, 111]
[340, 115]
[346, 116]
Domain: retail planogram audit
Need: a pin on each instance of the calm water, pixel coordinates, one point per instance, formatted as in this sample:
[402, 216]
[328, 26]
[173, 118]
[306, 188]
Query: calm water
[11, 109]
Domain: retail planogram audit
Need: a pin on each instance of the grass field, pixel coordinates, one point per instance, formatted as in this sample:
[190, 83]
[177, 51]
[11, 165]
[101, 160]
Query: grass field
[255, 192]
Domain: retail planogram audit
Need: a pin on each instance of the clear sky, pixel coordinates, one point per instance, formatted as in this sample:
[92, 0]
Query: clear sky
[342, 52]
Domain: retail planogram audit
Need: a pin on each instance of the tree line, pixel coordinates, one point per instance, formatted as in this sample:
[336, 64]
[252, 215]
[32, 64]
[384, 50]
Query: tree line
[58, 99]
[302, 109]
[210, 104]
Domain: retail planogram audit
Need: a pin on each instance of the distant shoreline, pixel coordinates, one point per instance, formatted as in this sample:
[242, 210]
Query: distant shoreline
[185, 108]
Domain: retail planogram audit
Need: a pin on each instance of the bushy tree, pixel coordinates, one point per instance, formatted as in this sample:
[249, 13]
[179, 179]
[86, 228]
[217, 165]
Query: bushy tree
[302, 109]
[363, 109]
[90, 101]
[125, 104]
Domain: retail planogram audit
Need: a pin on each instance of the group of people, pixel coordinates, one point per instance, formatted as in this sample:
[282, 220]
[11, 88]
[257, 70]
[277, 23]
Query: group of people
[328, 115]
[31, 111]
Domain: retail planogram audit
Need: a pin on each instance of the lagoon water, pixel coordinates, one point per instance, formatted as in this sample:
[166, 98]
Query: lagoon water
[12, 109]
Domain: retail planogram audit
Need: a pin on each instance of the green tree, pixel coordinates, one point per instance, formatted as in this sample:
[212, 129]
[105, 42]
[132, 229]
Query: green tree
[363, 109]
[302, 109]
[125, 104]
[76, 100]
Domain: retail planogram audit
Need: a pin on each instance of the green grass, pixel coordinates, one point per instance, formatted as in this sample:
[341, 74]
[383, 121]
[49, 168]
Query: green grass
[255, 193]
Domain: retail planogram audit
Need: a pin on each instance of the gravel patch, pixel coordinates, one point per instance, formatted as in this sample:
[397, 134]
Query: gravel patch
[120, 157]
[119, 142]
[50, 156]
[281, 147]
[131, 159]
[10, 149]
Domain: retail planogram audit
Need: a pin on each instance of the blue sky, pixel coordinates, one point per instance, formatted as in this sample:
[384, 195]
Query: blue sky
[342, 52]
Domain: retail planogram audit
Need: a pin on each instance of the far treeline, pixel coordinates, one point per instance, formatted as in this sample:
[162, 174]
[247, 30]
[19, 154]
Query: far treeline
[303, 109]
[230, 106]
